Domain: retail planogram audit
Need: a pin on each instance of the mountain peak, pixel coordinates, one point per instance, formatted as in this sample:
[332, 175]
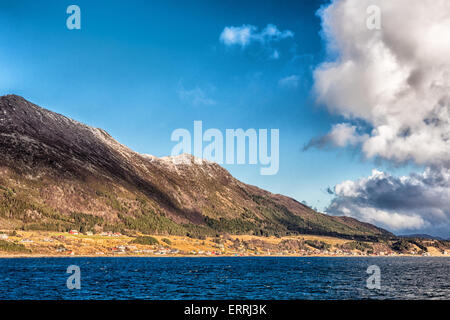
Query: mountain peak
[12, 97]
[62, 171]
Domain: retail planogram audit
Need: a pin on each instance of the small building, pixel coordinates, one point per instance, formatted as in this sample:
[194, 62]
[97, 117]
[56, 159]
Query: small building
[3, 236]
[121, 248]
[74, 232]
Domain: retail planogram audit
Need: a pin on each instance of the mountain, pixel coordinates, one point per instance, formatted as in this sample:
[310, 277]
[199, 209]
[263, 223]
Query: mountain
[58, 174]
[421, 236]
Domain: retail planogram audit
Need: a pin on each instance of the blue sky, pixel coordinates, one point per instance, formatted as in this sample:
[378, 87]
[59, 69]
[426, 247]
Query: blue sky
[142, 69]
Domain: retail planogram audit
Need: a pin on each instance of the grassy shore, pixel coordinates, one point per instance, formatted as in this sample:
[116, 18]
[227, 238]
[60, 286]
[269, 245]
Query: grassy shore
[57, 244]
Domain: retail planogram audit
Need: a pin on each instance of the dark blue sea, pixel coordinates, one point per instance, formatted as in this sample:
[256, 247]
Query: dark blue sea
[225, 278]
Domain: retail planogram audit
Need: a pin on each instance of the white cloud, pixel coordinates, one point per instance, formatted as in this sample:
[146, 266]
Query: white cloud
[414, 202]
[396, 79]
[195, 96]
[238, 35]
[391, 220]
[341, 135]
[271, 33]
[394, 84]
[289, 82]
[245, 35]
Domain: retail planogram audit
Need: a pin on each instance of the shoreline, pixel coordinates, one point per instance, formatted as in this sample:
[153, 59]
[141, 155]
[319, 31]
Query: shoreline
[218, 256]
[47, 244]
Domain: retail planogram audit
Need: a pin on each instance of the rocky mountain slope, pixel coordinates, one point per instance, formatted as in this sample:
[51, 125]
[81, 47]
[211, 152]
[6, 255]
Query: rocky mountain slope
[58, 174]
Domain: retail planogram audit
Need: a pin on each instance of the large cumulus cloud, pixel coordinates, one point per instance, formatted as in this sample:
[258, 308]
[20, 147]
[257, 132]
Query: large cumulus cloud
[396, 79]
[392, 87]
[401, 204]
